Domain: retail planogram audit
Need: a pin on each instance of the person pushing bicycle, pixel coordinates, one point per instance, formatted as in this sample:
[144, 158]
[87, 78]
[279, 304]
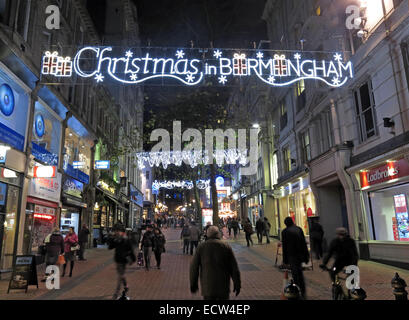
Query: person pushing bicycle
[343, 249]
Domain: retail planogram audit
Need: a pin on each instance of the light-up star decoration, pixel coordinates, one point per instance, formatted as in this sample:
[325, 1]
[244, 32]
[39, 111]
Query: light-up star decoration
[222, 79]
[217, 54]
[129, 54]
[219, 66]
[99, 77]
[180, 54]
[190, 78]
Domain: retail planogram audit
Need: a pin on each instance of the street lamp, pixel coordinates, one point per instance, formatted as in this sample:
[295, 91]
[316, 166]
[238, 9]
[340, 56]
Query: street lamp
[256, 126]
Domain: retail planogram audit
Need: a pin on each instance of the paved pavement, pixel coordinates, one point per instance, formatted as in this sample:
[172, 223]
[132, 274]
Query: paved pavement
[96, 278]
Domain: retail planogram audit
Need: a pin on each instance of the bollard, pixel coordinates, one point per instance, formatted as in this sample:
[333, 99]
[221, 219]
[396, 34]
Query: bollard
[399, 286]
[292, 292]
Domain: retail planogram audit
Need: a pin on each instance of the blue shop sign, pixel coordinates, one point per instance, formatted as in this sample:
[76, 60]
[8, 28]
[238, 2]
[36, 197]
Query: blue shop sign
[46, 135]
[75, 173]
[102, 164]
[135, 195]
[3, 193]
[13, 112]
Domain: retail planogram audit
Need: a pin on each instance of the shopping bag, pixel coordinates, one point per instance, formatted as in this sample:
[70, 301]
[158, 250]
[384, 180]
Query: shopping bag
[61, 259]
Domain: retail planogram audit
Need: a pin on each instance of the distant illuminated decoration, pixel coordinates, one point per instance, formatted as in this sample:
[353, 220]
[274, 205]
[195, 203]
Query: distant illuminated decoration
[192, 66]
[201, 184]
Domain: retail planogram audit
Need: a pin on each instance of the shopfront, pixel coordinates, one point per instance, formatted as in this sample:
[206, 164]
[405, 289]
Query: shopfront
[385, 195]
[42, 210]
[297, 201]
[14, 106]
[136, 206]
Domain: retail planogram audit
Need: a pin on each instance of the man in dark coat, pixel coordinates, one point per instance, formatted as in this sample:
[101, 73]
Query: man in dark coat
[267, 227]
[194, 236]
[147, 245]
[295, 251]
[83, 240]
[124, 254]
[344, 250]
[215, 262]
[260, 230]
[316, 235]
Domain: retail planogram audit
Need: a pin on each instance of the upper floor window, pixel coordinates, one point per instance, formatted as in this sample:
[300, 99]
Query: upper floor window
[365, 111]
[283, 115]
[300, 95]
[306, 146]
[287, 159]
[23, 18]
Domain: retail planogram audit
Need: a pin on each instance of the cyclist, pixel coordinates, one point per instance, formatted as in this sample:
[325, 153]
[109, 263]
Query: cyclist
[343, 249]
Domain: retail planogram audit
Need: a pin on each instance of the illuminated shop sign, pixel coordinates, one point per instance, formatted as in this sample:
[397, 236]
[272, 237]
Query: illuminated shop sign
[45, 172]
[192, 66]
[390, 171]
[102, 164]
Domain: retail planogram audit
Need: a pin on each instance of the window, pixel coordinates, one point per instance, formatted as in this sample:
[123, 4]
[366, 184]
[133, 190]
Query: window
[300, 94]
[365, 111]
[287, 159]
[405, 55]
[4, 11]
[23, 18]
[306, 146]
[147, 175]
[283, 115]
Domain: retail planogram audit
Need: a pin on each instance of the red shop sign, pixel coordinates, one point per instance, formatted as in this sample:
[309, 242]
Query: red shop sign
[389, 171]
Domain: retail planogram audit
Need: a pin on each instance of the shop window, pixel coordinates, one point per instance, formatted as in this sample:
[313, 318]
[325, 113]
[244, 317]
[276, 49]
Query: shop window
[78, 150]
[389, 213]
[365, 111]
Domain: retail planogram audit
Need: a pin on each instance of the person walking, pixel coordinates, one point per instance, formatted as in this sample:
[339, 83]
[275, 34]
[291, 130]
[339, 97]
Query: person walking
[260, 230]
[70, 246]
[235, 226]
[214, 262]
[185, 236]
[267, 227]
[229, 227]
[54, 246]
[343, 249]
[295, 252]
[83, 240]
[248, 230]
[316, 235]
[124, 254]
[159, 246]
[194, 236]
[147, 245]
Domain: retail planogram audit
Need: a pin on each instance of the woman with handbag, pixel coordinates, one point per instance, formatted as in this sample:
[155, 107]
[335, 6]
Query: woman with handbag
[70, 246]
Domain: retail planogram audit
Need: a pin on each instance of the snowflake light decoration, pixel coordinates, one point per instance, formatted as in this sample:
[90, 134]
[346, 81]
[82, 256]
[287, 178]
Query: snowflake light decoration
[271, 79]
[297, 56]
[260, 55]
[337, 57]
[99, 77]
[129, 54]
[190, 78]
[335, 81]
[180, 54]
[222, 79]
[217, 54]
[134, 76]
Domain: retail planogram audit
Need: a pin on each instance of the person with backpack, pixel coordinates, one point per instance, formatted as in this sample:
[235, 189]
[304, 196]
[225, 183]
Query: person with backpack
[148, 243]
[124, 254]
[248, 230]
[159, 246]
[185, 236]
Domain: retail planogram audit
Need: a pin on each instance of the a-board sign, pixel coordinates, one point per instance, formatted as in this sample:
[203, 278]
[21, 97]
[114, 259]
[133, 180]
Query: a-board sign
[24, 273]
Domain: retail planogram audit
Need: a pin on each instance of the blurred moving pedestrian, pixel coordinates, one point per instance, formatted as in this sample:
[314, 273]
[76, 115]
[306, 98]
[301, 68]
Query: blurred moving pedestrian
[235, 227]
[316, 236]
[260, 230]
[54, 246]
[229, 227]
[83, 240]
[70, 246]
[208, 225]
[344, 251]
[267, 227]
[124, 254]
[159, 246]
[194, 236]
[147, 244]
[214, 262]
[248, 230]
[295, 252]
[185, 236]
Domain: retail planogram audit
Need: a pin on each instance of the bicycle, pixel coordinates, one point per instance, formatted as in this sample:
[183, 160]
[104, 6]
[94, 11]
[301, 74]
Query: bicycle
[339, 292]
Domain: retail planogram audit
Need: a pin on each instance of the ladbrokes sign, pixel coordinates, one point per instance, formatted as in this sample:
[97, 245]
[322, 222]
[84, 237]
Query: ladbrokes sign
[389, 171]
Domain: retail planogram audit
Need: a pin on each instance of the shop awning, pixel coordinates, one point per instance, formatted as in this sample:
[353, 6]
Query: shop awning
[109, 196]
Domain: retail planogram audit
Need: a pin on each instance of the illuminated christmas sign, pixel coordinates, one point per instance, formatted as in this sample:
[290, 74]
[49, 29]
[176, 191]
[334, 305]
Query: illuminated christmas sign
[192, 66]
[201, 184]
